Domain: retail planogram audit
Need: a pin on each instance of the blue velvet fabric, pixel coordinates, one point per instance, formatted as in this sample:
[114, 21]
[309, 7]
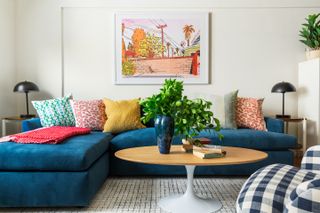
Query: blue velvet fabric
[121, 167]
[74, 154]
[253, 139]
[274, 125]
[30, 124]
[52, 189]
[246, 138]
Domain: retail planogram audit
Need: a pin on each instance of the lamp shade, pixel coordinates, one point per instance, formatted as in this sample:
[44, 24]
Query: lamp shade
[25, 86]
[283, 87]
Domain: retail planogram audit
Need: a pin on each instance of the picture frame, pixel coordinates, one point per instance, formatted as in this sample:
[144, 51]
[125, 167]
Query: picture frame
[153, 46]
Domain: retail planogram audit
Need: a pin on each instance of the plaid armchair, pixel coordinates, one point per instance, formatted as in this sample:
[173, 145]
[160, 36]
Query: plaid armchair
[283, 188]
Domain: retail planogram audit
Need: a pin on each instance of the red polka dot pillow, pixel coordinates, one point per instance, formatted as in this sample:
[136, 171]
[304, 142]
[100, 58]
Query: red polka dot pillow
[249, 114]
[89, 114]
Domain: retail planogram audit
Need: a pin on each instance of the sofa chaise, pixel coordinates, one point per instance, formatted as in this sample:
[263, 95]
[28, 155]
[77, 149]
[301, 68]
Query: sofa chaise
[67, 174]
[70, 173]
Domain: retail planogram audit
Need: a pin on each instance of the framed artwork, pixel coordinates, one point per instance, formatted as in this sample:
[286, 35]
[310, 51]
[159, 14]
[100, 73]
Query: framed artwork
[153, 46]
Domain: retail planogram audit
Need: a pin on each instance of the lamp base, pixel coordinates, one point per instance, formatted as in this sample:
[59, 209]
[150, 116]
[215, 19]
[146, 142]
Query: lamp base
[27, 116]
[283, 116]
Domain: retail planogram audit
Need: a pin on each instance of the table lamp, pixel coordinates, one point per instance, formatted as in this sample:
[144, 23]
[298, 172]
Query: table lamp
[283, 87]
[26, 87]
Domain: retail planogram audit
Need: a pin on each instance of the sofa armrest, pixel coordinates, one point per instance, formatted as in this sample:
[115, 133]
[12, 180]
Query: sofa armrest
[30, 124]
[274, 125]
[305, 197]
[311, 159]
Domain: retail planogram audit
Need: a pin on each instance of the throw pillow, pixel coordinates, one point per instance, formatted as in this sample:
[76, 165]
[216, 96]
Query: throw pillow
[89, 114]
[55, 112]
[249, 113]
[230, 106]
[122, 115]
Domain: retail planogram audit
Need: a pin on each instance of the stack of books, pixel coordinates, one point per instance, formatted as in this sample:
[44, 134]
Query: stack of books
[208, 151]
[187, 146]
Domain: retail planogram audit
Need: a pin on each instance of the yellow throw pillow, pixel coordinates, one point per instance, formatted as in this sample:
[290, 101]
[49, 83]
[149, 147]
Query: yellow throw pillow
[122, 115]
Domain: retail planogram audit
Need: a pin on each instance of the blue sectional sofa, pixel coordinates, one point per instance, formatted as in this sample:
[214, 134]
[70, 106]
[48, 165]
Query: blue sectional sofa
[70, 173]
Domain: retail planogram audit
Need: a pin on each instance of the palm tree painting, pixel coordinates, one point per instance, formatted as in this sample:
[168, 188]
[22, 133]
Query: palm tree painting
[188, 30]
[161, 47]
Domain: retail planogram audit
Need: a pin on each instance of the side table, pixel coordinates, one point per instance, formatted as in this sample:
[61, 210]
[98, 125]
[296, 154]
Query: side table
[304, 129]
[11, 119]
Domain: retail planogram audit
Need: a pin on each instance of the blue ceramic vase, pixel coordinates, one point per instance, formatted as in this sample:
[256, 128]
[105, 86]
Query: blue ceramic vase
[164, 126]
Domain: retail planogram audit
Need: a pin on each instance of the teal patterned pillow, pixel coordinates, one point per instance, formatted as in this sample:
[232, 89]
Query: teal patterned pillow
[55, 112]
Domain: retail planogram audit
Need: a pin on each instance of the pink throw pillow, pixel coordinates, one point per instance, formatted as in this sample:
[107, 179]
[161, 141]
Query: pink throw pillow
[249, 114]
[89, 114]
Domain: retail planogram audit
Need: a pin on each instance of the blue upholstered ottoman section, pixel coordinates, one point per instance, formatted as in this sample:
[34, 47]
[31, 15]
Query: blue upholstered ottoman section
[66, 174]
[74, 154]
[52, 188]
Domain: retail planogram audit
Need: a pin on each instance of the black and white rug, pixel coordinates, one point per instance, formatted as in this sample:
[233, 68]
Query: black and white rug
[141, 195]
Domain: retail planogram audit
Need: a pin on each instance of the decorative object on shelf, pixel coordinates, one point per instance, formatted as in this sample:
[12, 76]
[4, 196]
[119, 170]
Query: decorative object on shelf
[26, 87]
[310, 33]
[189, 116]
[153, 46]
[283, 87]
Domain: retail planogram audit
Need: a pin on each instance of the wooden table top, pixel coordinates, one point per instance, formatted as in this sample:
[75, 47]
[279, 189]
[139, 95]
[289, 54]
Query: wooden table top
[151, 155]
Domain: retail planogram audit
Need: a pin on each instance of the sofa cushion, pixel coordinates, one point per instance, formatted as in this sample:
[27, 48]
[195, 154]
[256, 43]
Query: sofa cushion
[253, 139]
[75, 154]
[247, 138]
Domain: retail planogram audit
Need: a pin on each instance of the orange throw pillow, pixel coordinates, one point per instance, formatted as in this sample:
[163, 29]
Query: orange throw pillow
[249, 114]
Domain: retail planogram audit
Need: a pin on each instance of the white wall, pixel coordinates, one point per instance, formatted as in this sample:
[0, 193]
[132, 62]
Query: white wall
[254, 44]
[7, 68]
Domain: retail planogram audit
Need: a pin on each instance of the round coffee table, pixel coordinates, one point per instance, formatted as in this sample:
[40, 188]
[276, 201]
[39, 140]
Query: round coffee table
[189, 201]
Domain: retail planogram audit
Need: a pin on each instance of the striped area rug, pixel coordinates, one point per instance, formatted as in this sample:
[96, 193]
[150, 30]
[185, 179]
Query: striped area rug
[141, 195]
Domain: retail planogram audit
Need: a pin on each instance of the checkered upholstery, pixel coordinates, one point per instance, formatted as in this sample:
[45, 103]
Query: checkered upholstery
[311, 159]
[282, 188]
[305, 197]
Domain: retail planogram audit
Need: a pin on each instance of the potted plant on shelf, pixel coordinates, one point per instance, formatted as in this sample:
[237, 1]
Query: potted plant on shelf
[310, 33]
[175, 114]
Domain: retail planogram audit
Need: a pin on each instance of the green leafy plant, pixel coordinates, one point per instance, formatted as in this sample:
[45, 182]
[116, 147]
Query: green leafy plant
[190, 116]
[163, 103]
[310, 32]
[193, 116]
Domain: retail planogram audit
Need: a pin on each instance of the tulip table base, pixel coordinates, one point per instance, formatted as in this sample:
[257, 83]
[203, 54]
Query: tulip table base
[189, 201]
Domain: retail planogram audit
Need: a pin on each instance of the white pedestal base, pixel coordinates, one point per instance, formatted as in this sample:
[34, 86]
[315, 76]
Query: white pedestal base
[189, 202]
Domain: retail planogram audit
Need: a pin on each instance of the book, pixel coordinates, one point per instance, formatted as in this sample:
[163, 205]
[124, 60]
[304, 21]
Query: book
[208, 155]
[209, 148]
[204, 140]
[201, 140]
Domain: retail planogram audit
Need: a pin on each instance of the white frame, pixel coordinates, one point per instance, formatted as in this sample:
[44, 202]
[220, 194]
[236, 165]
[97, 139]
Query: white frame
[204, 47]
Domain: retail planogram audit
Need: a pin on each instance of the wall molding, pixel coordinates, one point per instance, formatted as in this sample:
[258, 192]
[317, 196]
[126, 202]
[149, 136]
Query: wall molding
[192, 4]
